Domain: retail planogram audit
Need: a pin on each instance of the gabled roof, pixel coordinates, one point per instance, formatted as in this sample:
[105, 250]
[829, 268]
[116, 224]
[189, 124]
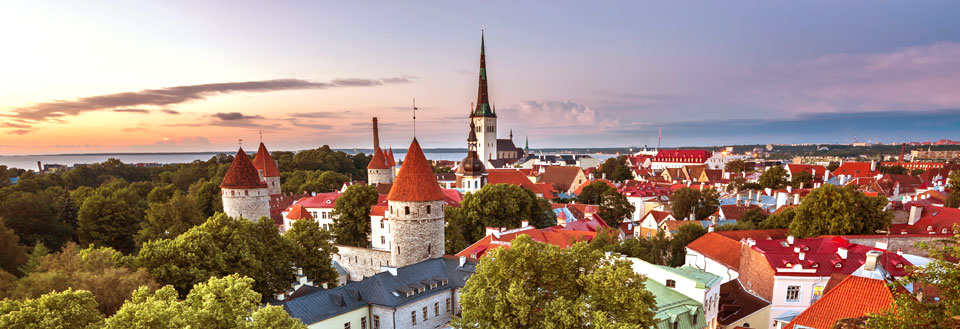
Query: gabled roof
[855, 169]
[242, 174]
[506, 145]
[732, 211]
[452, 197]
[265, 163]
[510, 176]
[682, 156]
[736, 303]
[702, 278]
[580, 188]
[933, 220]
[415, 180]
[815, 170]
[854, 297]
[821, 257]
[297, 212]
[558, 237]
[658, 216]
[560, 176]
[724, 247]
[674, 307]
[321, 200]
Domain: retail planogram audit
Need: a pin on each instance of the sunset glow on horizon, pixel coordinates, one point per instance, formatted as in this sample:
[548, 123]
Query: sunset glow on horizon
[199, 76]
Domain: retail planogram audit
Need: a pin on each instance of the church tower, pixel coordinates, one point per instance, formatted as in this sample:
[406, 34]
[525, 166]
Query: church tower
[415, 204]
[377, 170]
[267, 168]
[243, 193]
[471, 174]
[484, 116]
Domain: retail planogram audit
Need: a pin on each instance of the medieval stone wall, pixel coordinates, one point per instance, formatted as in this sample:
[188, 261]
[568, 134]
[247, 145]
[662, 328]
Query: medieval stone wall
[361, 262]
[247, 203]
[417, 235]
[375, 176]
[273, 185]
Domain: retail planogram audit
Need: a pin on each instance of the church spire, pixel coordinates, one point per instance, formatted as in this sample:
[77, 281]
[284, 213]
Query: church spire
[483, 108]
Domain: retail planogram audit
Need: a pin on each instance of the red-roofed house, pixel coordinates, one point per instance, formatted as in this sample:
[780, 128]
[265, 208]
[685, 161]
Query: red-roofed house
[857, 169]
[319, 206]
[680, 158]
[792, 273]
[650, 223]
[580, 188]
[296, 212]
[719, 252]
[853, 297]
[734, 211]
[564, 179]
[513, 177]
[495, 238]
[819, 173]
[932, 220]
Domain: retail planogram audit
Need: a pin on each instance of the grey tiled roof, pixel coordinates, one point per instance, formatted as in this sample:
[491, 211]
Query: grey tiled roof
[382, 289]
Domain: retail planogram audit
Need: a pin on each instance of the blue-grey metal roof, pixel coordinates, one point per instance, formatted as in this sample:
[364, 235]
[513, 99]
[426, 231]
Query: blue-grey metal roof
[382, 289]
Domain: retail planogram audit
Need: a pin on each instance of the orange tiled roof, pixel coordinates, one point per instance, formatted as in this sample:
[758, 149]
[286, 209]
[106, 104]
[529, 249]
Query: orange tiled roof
[242, 174]
[855, 169]
[724, 246]
[378, 161]
[391, 159]
[560, 238]
[580, 188]
[415, 181]
[560, 176]
[854, 297]
[264, 162]
[297, 212]
[510, 176]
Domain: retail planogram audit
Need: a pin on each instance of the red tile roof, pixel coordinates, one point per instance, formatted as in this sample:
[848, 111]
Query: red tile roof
[658, 216]
[855, 169]
[379, 160]
[512, 177]
[589, 224]
[580, 188]
[821, 256]
[933, 220]
[452, 197]
[391, 159]
[815, 170]
[732, 211]
[724, 247]
[321, 200]
[265, 163]
[546, 189]
[378, 210]
[560, 176]
[560, 238]
[854, 297]
[297, 212]
[242, 174]
[415, 181]
[683, 156]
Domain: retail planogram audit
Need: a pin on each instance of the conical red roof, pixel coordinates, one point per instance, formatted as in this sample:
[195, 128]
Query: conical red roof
[391, 159]
[378, 161]
[415, 181]
[242, 173]
[298, 212]
[264, 162]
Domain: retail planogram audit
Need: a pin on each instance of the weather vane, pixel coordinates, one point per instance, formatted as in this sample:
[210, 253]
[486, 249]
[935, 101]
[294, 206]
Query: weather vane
[261, 135]
[414, 117]
[240, 142]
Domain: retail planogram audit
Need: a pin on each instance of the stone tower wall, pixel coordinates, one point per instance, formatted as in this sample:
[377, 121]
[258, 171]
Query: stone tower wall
[273, 185]
[375, 176]
[417, 236]
[486, 137]
[248, 203]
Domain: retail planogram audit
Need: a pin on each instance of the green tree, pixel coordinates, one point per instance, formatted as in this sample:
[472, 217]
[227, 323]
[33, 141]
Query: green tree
[108, 222]
[219, 247]
[779, 220]
[67, 309]
[954, 179]
[702, 203]
[534, 285]
[228, 302]
[616, 169]
[32, 218]
[802, 179]
[351, 215]
[655, 249]
[774, 177]
[162, 193]
[614, 207]
[454, 236]
[895, 170]
[736, 165]
[13, 255]
[313, 251]
[754, 216]
[833, 165]
[941, 274]
[103, 271]
[170, 218]
[207, 196]
[953, 199]
[501, 205]
[678, 243]
[831, 210]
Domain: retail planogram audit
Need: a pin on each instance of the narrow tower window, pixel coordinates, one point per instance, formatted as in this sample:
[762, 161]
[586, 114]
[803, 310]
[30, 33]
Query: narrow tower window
[428, 209]
[406, 210]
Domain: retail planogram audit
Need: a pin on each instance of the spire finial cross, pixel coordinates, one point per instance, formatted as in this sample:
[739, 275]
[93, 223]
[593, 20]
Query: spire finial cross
[240, 142]
[261, 135]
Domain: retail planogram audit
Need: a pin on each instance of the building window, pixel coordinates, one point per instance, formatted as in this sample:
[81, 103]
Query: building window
[363, 323]
[383, 240]
[428, 209]
[413, 317]
[346, 325]
[433, 285]
[406, 210]
[671, 283]
[793, 294]
[448, 305]
[381, 223]
[424, 313]
[422, 289]
[436, 309]
[409, 293]
[443, 282]
[376, 322]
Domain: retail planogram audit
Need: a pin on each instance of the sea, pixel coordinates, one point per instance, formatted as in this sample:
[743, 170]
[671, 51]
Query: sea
[30, 161]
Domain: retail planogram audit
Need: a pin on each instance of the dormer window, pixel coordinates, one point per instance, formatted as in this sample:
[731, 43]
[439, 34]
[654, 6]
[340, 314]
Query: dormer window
[443, 282]
[900, 265]
[805, 248]
[929, 228]
[433, 285]
[814, 265]
[838, 265]
[422, 289]
[944, 231]
[409, 293]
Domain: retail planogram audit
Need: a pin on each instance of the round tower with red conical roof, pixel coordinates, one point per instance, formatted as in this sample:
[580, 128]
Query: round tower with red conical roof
[267, 169]
[243, 193]
[377, 170]
[415, 204]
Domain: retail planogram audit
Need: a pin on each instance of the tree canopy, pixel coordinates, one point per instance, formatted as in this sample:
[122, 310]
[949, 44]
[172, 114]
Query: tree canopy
[616, 169]
[831, 210]
[496, 205]
[67, 309]
[614, 207]
[774, 177]
[351, 215]
[702, 203]
[534, 285]
[313, 251]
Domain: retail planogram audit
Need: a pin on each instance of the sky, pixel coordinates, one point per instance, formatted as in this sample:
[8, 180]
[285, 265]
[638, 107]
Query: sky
[167, 76]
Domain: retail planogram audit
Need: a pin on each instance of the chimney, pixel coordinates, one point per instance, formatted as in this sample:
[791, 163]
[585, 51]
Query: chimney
[789, 189]
[524, 223]
[749, 194]
[802, 255]
[796, 198]
[492, 230]
[692, 216]
[899, 252]
[790, 239]
[39, 167]
[781, 199]
[463, 260]
[873, 165]
[710, 228]
[767, 191]
[758, 197]
[842, 252]
[871, 263]
[915, 213]
[738, 199]
[376, 134]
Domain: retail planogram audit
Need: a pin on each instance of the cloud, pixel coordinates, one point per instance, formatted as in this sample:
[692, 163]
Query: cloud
[168, 111]
[560, 114]
[47, 111]
[323, 114]
[20, 131]
[230, 116]
[308, 124]
[920, 77]
[132, 111]
[15, 125]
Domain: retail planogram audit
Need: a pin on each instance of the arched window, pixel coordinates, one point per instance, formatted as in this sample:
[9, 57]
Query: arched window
[406, 210]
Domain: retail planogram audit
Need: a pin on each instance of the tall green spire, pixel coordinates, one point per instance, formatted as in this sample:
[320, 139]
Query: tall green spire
[526, 145]
[483, 108]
